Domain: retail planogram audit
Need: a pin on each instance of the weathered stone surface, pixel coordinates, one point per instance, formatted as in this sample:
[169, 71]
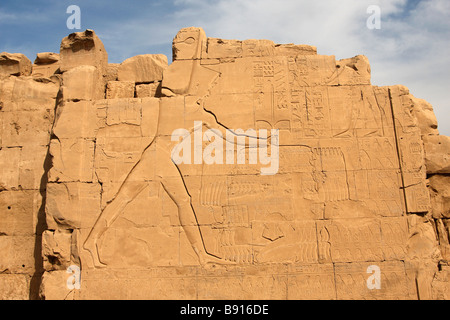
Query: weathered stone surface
[354, 71]
[45, 65]
[76, 119]
[19, 212]
[25, 128]
[143, 68]
[443, 232]
[14, 64]
[54, 286]
[424, 255]
[228, 49]
[437, 154]
[120, 89]
[26, 119]
[56, 250]
[14, 287]
[46, 58]
[83, 48]
[111, 72]
[18, 94]
[148, 90]
[440, 196]
[347, 189]
[441, 285]
[72, 160]
[72, 206]
[9, 160]
[83, 83]
[17, 254]
[423, 112]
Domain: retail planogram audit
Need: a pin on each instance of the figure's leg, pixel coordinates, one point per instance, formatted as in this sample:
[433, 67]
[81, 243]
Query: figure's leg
[173, 184]
[129, 190]
[177, 192]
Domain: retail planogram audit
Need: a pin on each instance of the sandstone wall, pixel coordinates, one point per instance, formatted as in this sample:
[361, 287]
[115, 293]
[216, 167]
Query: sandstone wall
[88, 180]
[27, 108]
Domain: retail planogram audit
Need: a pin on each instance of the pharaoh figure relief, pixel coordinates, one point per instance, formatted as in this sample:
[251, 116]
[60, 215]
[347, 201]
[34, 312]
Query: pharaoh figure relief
[321, 117]
[156, 163]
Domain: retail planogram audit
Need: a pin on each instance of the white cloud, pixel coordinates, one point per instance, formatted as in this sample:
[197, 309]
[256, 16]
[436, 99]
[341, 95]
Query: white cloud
[6, 17]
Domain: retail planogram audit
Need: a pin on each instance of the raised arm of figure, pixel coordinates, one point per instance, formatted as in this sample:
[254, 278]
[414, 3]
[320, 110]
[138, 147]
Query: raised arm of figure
[210, 120]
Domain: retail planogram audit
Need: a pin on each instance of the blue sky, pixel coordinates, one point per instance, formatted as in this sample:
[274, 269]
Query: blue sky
[411, 48]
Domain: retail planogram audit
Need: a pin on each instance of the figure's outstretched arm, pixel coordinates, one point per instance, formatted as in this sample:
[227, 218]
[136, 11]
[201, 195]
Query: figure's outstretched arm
[209, 119]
